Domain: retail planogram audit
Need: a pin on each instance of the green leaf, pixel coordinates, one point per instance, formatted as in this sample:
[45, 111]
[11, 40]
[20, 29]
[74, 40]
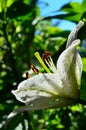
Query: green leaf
[84, 64]
[10, 2]
[74, 17]
[71, 7]
[83, 6]
[1, 15]
[83, 87]
[73, 12]
[18, 9]
[82, 33]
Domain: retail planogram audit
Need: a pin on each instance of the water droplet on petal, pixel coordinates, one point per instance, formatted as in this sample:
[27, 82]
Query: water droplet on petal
[31, 105]
[54, 101]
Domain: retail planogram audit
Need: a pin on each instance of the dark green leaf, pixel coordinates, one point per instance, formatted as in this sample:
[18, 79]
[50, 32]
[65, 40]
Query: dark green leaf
[1, 16]
[83, 87]
[74, 17]
[18, 9]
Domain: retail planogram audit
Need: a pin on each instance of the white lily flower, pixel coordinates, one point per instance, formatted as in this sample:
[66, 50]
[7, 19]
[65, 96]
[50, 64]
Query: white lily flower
[58, 89]
[47, 90]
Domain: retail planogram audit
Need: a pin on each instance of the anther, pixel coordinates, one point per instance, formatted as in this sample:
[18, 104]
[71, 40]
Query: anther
[27, 75]
[46, 55]
[35, 70]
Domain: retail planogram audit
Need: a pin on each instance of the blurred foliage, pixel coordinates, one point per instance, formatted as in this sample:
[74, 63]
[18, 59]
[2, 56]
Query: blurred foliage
[22, 32]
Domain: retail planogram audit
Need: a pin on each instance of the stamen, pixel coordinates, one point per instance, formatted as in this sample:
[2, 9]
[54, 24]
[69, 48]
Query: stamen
[48, 60]
[35, 70]
[27, 75]
[45, 55]
[37, 55]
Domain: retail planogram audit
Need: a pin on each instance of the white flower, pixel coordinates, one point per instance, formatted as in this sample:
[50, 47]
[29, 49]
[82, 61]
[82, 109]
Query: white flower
[47, 90]
[58, 89]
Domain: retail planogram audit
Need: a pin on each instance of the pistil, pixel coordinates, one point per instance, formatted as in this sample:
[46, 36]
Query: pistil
[37, 55]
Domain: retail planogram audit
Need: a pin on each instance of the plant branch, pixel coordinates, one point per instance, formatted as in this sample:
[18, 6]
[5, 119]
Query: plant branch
[81, 101]
[12, 59]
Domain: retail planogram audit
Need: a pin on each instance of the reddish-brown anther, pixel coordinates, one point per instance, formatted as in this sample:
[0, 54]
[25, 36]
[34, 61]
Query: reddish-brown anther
[27, 75]
[46, 55]
[35, 70]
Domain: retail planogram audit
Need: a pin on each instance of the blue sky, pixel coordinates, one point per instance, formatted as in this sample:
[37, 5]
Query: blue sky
[55, 5]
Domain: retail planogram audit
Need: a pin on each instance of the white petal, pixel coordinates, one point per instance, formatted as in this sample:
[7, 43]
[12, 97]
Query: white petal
[46, 85]
[73, 35]
[43, 103]
[69, 67]
[43, 91]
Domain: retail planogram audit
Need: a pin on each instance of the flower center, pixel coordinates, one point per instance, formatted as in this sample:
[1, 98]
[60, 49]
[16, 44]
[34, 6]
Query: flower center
[46, 60]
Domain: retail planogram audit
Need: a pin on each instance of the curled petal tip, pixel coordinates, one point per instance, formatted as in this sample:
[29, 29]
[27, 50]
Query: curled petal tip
[73, 35]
